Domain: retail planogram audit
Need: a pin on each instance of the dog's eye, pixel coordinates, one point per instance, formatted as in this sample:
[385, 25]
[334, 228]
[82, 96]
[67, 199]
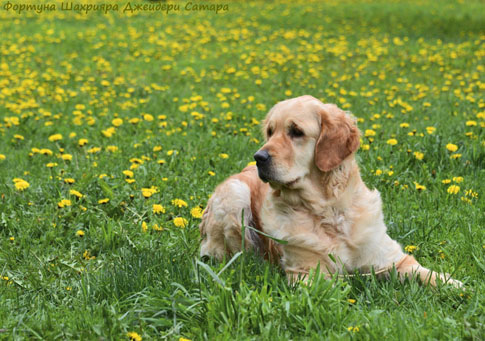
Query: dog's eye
[295, 132]
[269, 132]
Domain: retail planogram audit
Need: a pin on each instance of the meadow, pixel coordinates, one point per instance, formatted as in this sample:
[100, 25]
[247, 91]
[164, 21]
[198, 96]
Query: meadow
[116, 127]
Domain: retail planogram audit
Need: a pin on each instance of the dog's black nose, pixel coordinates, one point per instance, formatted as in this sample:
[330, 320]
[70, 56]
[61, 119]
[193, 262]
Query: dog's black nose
[261, 156]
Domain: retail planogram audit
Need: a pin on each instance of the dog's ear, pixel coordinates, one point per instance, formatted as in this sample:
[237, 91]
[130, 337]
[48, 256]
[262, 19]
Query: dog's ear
[339, 137]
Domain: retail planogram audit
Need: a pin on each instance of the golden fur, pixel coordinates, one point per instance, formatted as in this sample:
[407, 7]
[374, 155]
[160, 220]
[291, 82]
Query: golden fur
[313, 197]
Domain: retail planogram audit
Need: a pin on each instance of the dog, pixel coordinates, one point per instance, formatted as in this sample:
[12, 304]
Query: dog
[306, 190]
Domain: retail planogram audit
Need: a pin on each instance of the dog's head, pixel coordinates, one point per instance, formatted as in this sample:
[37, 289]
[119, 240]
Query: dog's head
[303, 134]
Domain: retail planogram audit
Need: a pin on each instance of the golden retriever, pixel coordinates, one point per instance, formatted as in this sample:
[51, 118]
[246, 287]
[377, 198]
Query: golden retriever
[306, 189]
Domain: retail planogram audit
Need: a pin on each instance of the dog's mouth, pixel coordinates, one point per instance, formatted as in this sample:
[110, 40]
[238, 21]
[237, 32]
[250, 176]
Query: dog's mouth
[267, 174]
[291, 183]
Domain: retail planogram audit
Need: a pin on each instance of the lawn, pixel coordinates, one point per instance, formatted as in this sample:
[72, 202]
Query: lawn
[116, 127]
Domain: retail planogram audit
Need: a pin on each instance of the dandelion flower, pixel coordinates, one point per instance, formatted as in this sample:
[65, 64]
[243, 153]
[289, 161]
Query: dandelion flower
[76, 193]
[156, 227]
[179, 203]
[410, 248]
[196, 212]
[117, 122]
[20, 184]
[419, 187]
[452, 147]
[2, 157]
[80, 233]
[133, 336]
[82, 142]
[55, 137]
[64, 203]
[103, 201]
[430, 130]
[453, 189]
[392, 142]
[158, 209]
[148, 192]
[180, 222]
[418, 155]
[128, 173]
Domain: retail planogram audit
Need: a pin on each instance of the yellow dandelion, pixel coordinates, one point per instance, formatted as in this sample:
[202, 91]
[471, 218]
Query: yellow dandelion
[21, 184]
[80, 233]
[445, 181]
[430, 130]
[404, 125]
[76, 193]
[64, 203]
[369, 132]
[455, 156]
[180, 222]
[458, 179]
[179, 203]
[133, 336]
[418, 155]
[69, 180]
[66, 157]
[156, 227]
[103, 201]
[471, 123]
[117, 122]
[410, 248]
[45, 151]
[392, 142]
[55, 137]
[453, 189]
[144, 226]
[51, 164]
[2, 157]
[148, 192]
[223, 156]
[128, 173]
[158, 209]
[452, 147]
[419, 187]
[82, 142]
[18, 137]
[211, 173]
[112, 149]
[196, 212]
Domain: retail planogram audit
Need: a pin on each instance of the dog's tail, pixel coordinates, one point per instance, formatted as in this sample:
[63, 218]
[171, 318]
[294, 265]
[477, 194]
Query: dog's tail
[227, 209]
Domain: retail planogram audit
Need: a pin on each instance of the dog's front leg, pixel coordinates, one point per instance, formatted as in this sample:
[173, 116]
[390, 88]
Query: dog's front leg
[409, 267]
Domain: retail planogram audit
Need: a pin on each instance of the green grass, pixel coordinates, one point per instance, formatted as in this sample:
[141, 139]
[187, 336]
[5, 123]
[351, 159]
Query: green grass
[389, 63]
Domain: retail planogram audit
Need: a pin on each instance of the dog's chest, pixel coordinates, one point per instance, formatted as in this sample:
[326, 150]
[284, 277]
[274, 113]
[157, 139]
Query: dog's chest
[323, 232]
